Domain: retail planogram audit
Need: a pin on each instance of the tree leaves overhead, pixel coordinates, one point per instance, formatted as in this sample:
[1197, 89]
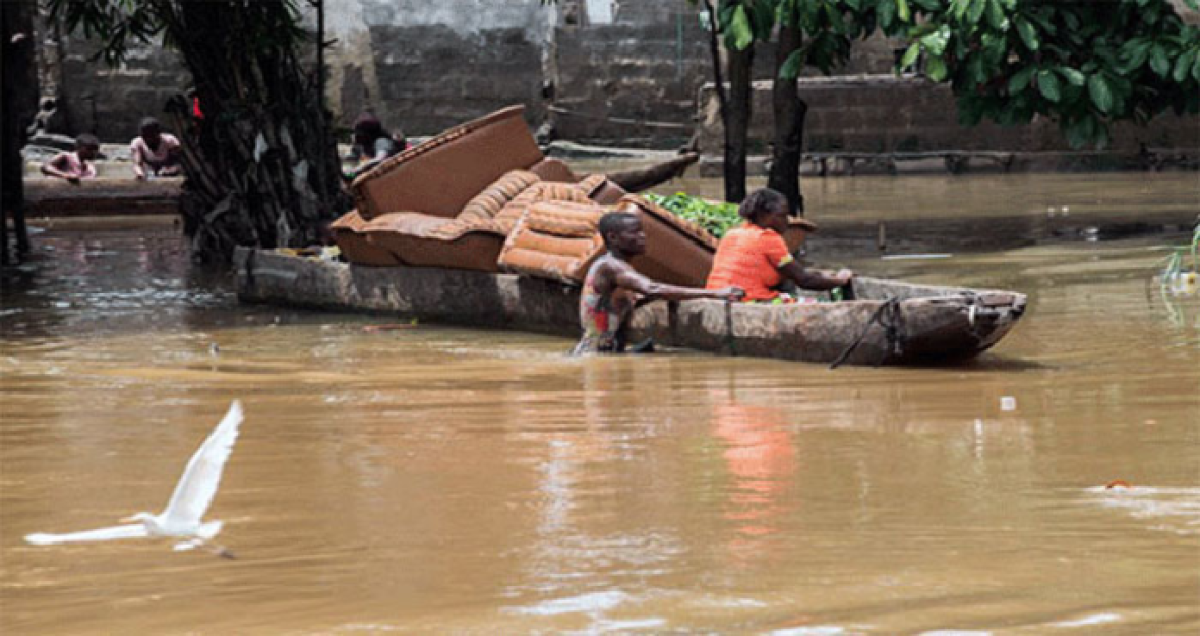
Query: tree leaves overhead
[740, 35]
[1049, 86]
[1100, 93]
[1028, 34]
[120, 25]
[1083, 64]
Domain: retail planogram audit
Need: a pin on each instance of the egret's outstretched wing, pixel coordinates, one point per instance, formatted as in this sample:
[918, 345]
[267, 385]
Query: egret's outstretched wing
[103, 534]
[198, 485]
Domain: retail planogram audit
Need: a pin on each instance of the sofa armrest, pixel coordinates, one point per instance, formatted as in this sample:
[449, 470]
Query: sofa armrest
[551, 169]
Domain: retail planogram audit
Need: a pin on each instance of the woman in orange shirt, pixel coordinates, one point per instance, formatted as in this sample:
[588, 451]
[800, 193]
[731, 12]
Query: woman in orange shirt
[754, 257]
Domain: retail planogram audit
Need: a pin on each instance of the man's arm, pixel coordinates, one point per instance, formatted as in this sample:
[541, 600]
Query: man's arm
[135, 157]
[622, 274]
[51, 168]
[816, 279]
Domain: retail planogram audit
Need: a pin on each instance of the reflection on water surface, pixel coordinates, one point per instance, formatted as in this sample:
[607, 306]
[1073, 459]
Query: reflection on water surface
[439, 479]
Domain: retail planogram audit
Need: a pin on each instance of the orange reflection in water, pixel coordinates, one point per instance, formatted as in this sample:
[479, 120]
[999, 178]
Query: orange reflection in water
[760, 456]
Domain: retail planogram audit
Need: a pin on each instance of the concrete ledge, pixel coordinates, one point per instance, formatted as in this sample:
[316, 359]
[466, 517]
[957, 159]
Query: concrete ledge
[102, 196]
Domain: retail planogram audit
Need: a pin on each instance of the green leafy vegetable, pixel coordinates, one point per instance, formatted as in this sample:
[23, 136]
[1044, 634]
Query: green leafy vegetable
[717, 218]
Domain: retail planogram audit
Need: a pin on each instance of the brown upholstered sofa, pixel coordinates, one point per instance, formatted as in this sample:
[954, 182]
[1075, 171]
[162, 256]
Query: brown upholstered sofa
[446, 202]
[453, 201]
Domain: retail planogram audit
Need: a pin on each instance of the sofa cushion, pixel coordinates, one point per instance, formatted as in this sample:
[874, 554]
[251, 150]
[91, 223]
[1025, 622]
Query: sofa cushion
[431, 227]
[441, 175]
[487, 204]
[421, 240]
[356, 245]
[556, 240]
[508, 216]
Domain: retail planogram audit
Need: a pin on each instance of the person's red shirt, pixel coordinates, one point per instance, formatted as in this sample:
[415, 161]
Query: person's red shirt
[749, 257]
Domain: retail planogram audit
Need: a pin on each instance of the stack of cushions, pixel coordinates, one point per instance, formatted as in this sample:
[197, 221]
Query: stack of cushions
[556, 240]
[559, 240]
[452, 202]
[506, 219]
[485, 205]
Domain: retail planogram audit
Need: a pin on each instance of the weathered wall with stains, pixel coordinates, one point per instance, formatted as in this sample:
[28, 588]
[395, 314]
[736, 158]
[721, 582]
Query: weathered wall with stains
[108, 102]
[424, 66]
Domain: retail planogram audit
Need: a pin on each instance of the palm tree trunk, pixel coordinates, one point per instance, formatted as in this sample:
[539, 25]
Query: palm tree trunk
[263, 169]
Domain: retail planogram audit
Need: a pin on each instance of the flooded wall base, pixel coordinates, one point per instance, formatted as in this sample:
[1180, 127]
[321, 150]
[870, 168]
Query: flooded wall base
[883, 124]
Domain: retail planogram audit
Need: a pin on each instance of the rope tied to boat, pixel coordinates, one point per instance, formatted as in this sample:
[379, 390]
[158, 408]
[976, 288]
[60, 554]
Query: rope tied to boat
[888, 316]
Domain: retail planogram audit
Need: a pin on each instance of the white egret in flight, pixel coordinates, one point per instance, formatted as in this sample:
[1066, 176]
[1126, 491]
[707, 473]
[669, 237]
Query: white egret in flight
[191, 499]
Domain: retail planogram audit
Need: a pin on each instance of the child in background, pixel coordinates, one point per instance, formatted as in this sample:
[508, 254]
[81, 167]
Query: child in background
[76, 165]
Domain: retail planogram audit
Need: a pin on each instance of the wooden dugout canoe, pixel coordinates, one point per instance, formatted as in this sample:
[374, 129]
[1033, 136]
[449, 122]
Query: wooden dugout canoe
[891, 323]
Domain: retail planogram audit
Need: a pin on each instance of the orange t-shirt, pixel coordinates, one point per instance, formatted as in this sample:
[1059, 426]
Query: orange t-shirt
[749, 257]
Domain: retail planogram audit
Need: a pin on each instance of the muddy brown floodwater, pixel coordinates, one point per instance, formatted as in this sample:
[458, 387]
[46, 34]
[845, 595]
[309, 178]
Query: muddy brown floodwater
[437, 480]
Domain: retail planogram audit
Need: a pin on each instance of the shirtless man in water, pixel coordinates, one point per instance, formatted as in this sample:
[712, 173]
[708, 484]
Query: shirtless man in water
[613, 287]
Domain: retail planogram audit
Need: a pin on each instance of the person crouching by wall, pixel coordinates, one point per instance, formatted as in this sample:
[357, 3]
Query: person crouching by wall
[372, 144]
[75, 165]
[154, 152]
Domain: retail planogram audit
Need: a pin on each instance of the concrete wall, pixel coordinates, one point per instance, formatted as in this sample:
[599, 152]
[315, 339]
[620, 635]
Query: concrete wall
[638, 76]
[424, 66]
[599, 70]
[861, 115]
[108, 102]
[617, 72]
[629, 81]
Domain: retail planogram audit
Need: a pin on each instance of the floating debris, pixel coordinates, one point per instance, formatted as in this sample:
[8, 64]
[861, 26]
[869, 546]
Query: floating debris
[914, 257]
[391, 327]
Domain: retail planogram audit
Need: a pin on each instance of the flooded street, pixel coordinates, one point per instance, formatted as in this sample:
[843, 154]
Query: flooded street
[439, 480]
